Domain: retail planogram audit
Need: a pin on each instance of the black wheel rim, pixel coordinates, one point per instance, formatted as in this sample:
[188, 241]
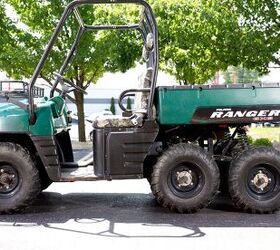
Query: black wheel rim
[263, 182]
[186, 180]
[9, 181]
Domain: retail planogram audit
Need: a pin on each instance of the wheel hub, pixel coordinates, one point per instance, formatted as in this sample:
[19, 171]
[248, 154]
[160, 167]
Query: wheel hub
[261, 180]
[8, 179]
[184, 178]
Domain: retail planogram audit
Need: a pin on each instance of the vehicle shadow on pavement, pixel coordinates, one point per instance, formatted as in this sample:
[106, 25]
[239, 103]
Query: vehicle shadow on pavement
[101, 214]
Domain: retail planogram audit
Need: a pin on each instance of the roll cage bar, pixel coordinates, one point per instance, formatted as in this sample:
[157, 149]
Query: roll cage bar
[36, 91]
[146, 25]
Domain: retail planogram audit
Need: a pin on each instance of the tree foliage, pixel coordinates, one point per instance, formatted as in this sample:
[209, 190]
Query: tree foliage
[260, 23]
[201, 37]
[240, 75]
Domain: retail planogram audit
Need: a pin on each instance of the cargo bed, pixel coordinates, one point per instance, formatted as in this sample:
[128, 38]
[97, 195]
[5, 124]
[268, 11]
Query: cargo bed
[210, 104]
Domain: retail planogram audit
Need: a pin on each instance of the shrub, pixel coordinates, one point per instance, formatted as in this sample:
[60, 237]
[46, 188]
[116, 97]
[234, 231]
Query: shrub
[262, 142]
[250, 139]
[112, 107]
[128, 105]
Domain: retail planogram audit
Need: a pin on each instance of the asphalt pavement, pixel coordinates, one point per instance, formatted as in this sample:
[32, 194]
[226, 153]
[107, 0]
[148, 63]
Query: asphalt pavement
[124, 215]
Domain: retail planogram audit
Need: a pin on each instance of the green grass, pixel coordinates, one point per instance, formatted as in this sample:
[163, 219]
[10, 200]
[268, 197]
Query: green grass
[273, 134]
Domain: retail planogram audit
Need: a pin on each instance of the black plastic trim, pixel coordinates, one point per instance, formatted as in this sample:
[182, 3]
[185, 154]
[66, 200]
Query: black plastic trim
[46, 149]
[119, 153]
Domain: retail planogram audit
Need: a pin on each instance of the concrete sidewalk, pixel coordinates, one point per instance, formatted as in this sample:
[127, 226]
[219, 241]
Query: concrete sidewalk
[81, 145]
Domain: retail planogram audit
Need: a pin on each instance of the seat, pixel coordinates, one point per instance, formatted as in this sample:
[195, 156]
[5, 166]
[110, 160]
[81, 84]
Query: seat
[141, 99]
[140, 109]
[112, 121]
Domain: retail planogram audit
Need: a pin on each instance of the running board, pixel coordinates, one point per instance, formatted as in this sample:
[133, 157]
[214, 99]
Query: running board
[79, 174]
[82, 163]
[86, 160]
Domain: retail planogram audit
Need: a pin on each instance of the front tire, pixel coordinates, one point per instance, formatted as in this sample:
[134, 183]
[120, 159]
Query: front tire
[19, 178]
[45, 182]
[185, 178]
[254, 180]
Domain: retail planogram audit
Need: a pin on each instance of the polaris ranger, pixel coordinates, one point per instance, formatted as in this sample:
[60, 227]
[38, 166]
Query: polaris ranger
[184, 139]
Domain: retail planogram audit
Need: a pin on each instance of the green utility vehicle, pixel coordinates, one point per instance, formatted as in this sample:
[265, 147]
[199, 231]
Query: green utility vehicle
[185, 140]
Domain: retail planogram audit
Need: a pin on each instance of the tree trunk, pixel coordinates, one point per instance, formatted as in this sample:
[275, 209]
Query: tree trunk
[81, 115]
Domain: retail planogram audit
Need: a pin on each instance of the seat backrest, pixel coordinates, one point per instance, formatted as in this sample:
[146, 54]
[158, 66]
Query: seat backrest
[145, 80]
[141, 98]
[148, 47]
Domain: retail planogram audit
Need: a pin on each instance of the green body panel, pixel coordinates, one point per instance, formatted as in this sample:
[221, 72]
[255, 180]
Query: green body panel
[51, 117]
[13, 119]
[177, 105]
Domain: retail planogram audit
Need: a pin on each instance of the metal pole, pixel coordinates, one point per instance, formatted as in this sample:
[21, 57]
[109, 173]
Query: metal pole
[69, 57]
[67, 12]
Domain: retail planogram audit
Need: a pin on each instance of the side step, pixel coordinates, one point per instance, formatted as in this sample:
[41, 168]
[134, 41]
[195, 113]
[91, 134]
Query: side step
[79, 174]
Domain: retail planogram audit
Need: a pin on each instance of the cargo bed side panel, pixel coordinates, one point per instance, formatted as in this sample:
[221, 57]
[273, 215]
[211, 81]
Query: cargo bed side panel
[183, 105]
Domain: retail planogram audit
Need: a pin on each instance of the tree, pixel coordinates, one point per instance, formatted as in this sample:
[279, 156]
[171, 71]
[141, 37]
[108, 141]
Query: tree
[112, 106]
[128, 104]
[240, 75]
[98, 51]
[260, 23]
[199, 38]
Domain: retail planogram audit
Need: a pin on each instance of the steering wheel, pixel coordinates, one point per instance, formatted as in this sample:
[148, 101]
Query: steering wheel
[65, 80]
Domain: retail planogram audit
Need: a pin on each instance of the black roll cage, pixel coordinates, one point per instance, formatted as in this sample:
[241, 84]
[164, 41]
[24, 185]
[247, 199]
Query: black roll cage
[146, 25]
[36, 91]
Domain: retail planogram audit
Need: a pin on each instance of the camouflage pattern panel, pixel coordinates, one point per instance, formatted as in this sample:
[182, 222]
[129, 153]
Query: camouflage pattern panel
[141, 99]
[113, 121]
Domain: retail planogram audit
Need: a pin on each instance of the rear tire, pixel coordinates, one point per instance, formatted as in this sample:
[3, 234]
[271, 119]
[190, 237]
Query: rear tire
[185, 178]
[254, 180]
[19, 178]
